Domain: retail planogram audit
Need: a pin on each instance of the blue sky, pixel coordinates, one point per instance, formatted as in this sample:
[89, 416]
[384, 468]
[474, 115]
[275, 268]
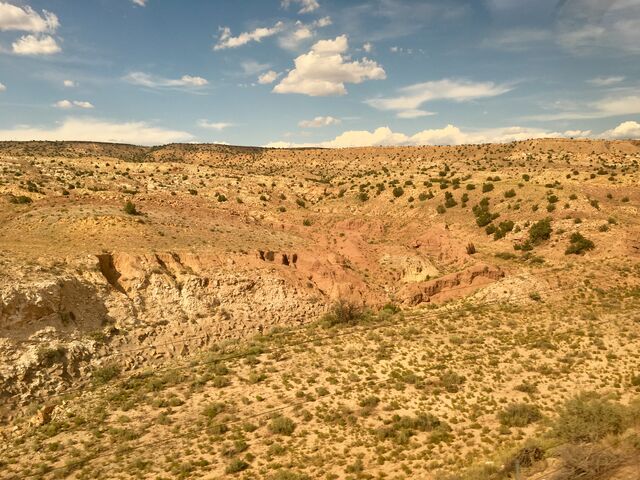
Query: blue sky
[319, 72]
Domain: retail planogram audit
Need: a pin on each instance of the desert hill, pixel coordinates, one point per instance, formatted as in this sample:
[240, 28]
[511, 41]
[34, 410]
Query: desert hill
[477, 268]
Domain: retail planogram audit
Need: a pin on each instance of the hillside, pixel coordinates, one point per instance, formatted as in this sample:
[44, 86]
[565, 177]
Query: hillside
[206, 310]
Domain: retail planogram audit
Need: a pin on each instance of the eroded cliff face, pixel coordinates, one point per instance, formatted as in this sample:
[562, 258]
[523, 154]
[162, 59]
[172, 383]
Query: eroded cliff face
[59, 321]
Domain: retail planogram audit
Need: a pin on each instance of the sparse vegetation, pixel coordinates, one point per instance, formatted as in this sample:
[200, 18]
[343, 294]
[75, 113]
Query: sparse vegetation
[578, 244]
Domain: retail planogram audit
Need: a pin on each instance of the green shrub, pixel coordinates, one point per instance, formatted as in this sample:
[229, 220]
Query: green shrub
[391, 308]
[401, 428]
[578, 244]
[236, 466]
[483, 216]
[398, 192]
[213, 410]
[130, 208]
[524, 457]
[282, 426]
[451, 381]
[540, 231]
[369, 402]
[487, 187]
[502, 229]
[510, 193]
[519, 415]
[288, 475]
[20, 199]
[342, 313]
[449, 200]
[105, 374]
[588, 418]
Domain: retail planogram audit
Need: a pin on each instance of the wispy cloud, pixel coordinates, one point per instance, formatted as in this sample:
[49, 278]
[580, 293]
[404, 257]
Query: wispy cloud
[603, 108]
[68, 104]
[96, 130]
[518, 39]
[319, 122]
[218, 126]
[153, 81]
[226, 40]
[605, 81]
[306, 6]
[408, 102]
[584, 25]
[251, 67]
[295, 36]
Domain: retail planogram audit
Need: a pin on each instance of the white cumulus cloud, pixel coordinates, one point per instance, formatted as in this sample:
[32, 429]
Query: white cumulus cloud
[26, 19]
[226, 40]
[409, 99]
[140, 3]
[448, 135]
[35, 45]
[326, 69]
[85, 129]
[2, 87]
[319, 122]
[152, 81]
[268, 77]
[629, 129]
[577, 133]
[306, 6]
[69, 83]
